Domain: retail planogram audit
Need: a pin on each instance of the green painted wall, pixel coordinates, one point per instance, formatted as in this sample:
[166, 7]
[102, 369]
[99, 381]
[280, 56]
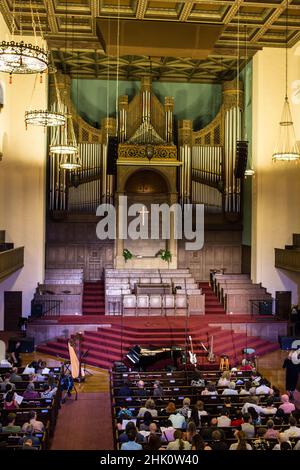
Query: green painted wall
[247, 205]
[96, 99]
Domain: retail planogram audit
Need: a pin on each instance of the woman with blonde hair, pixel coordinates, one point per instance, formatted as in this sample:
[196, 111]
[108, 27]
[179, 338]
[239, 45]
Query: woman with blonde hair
[224, 380]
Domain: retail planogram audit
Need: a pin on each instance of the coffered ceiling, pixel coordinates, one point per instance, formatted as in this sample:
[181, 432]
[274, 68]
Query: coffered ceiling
[71, 31]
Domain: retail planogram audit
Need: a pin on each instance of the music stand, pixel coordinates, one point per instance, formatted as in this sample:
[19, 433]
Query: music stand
[86, 372]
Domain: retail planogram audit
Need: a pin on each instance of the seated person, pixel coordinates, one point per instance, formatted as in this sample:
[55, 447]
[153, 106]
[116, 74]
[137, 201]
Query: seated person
[283, 439]
[38, 426]
[178, 421]
[198, 411]
[147, 420]
[286, 406]
[237, 418]
[11, 426]
[241, 443]
[271, 433]
[218, 442]
[124, 436]
[230, 390]
[293, 430]
[264, 389]
[158, 390]
[224, 380]
[125, 390]
[48, 392]
[269, 409]
[247, 426]
[131, 443]
[141, 391]
[10, 402]
[30, 393]
[15, 377]
[29, 368]
[210, 389]
[6, 381]
[149, 406]
[29, 433]
[153, 443]
[167, 432]
[224, 420]
[261, 443]
[178, 443]
[185, 409]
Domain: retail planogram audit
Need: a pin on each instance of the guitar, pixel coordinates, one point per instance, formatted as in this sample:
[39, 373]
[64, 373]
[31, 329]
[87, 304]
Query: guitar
[193, 358]
[211, 357]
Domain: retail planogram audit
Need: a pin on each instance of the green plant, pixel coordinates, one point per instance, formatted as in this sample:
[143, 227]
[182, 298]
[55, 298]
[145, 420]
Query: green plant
[127, 254]
[165, 255]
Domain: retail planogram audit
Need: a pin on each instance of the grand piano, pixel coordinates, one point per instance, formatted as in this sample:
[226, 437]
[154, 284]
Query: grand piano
[142, 357]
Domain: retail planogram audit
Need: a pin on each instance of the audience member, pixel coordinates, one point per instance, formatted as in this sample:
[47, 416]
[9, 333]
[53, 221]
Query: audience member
[241, 443]
[286, 406]
[178, 443]
[11, 426]
[131, 444]
[149, 406]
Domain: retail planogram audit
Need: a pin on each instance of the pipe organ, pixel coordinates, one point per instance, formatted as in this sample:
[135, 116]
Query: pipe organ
[206, 158]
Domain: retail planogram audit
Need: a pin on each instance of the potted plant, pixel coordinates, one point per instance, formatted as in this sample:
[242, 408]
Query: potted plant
[165, 255]
[127, 254]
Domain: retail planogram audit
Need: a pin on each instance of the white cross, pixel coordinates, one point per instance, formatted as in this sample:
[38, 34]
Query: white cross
[143, 212]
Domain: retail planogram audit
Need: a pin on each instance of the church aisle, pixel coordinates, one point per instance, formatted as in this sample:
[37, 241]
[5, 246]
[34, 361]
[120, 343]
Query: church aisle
[84, 424]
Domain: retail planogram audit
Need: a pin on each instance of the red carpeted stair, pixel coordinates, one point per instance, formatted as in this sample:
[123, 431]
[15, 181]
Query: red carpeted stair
[93, 301]
[111, 342]
[212, 304]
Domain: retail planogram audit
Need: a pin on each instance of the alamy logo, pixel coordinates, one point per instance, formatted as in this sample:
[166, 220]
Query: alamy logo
[160, 221]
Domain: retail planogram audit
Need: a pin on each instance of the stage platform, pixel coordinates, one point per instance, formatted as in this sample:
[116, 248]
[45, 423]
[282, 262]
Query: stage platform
[109, 338]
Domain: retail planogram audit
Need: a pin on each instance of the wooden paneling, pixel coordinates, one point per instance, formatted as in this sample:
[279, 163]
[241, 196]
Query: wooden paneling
[287, 259]
[74, 245]
[11, 261]
[222, 249]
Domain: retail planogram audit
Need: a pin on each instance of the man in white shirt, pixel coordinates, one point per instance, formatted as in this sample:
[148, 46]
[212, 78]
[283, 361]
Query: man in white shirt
[178, 421]
[230, 390]
[247, 405]
[293, 430]
[223, 420]
[263, 389]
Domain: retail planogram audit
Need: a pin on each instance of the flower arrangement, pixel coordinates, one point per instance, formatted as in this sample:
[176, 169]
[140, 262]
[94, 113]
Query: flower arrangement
[165, 255]
[127, 254]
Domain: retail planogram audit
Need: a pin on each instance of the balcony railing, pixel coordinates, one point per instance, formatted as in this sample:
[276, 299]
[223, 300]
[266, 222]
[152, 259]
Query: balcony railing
[287, 259]
[11, 261]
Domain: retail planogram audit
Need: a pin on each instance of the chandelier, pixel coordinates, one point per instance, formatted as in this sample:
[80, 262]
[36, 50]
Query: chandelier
[286, 149]
[64, 143]
[18, 57]
[47, 117]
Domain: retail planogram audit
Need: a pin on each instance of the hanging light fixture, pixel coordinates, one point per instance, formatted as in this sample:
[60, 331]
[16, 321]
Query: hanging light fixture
[18, 57]
[286, 149]
[64, 141]
[47, 117]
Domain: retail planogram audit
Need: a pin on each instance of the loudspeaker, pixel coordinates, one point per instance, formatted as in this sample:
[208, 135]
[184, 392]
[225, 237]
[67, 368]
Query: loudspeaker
[241, 158]
[112, 155]
[36, 310]
[289, 342]
[27, 344]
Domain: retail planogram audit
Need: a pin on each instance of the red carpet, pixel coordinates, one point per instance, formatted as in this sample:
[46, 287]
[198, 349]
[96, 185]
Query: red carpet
[111, 341]
[93, 301]
[84, 424]
[212, 304]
